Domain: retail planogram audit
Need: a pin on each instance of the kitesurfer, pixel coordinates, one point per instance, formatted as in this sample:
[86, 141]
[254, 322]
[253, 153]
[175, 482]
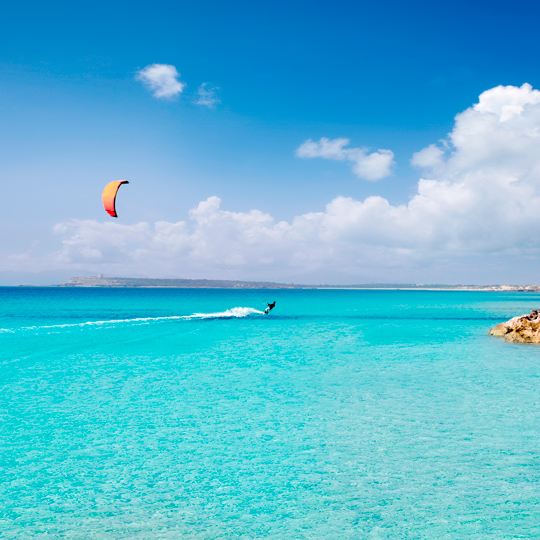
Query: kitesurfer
[270, 307]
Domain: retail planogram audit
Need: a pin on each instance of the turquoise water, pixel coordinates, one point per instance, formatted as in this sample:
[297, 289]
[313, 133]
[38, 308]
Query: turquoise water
[343, 414]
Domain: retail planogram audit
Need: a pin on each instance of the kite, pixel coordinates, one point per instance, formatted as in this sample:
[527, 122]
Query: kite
[109, 196]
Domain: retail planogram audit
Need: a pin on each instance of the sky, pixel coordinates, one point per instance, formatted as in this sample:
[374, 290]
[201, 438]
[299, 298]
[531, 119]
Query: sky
[306, 142]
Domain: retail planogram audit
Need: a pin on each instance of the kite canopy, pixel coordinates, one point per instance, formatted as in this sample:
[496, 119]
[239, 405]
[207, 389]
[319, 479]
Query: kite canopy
[109, 196]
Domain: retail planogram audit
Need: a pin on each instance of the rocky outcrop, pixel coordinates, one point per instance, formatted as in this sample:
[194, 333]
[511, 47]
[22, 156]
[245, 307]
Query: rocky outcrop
[521, 329]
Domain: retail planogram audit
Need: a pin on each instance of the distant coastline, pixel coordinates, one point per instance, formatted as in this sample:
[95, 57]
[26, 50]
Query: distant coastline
[125, 282]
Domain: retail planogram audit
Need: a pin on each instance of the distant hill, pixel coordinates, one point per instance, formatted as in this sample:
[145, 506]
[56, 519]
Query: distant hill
[101, 281]
[44, 278]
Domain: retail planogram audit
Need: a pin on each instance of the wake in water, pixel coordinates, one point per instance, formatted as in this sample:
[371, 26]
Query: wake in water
[236, 312]
[233, 312]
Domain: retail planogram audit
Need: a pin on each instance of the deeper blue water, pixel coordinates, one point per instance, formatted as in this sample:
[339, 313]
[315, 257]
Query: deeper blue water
[341, 415]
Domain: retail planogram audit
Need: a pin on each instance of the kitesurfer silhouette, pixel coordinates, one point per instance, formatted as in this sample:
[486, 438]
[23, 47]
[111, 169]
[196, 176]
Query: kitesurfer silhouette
[270, 307]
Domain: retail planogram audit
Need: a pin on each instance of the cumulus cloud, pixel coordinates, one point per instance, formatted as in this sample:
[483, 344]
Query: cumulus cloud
[208, 96]
[215, 237]
[476, 208]
[368, 166]
[430, 157]
[162, 79]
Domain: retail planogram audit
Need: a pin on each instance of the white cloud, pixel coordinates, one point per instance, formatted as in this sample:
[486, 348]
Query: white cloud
[325, 148]
[208, 95]
[507, 101]
[476, 215]
[162, 79]
[430, 157]
[368, 166]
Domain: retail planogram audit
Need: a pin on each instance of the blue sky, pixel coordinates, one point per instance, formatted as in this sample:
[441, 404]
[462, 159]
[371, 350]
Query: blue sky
[74, 115]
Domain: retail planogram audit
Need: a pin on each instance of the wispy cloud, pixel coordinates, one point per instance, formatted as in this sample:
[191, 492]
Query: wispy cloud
[208, 95]
[368, 166]
[162, 79]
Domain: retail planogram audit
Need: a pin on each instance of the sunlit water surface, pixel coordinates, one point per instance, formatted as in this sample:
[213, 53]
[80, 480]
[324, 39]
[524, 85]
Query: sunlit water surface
[167, 414]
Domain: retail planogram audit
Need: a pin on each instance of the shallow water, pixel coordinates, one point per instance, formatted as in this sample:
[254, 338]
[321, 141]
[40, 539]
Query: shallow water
[166, 414]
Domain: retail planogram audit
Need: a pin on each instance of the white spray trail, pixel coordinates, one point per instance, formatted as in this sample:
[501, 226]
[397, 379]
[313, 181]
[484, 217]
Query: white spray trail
[236, 312]
[233, 312]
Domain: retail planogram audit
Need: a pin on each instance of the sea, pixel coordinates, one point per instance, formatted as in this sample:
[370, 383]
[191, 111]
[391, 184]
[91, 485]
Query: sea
[343, 414]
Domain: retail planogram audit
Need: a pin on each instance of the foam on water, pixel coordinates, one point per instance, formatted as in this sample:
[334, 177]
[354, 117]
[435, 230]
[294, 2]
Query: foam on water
[229, 313]
[236, 312]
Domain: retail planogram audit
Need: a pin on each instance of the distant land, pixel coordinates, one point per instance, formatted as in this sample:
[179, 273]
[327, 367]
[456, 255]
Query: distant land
[101, 281]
